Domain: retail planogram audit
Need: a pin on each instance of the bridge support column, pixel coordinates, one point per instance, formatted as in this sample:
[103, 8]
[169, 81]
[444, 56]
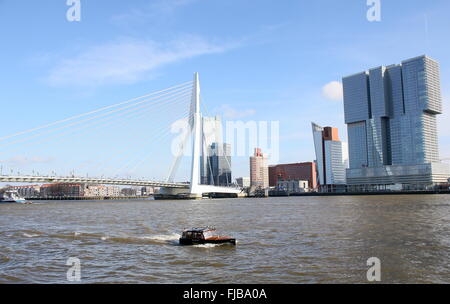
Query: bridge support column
[195, 188]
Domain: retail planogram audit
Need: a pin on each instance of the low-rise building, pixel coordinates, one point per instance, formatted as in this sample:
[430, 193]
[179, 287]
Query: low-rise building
[146, 191]
[293, 186]
[243, 182]
[28, 191]
[298, 171]
[78, 190]
[129, 192]
[62, 190]
[101, 191]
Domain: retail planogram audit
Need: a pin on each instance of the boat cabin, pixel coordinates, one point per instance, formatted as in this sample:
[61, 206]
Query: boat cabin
[198, 233]
[204, 236]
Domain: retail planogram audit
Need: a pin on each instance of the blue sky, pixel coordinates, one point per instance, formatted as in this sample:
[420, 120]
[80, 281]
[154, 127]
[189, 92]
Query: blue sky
[258, 60]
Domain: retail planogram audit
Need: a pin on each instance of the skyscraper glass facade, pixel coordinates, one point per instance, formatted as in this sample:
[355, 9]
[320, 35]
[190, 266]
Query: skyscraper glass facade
[219, 165]
[330, 156]
[391, 114]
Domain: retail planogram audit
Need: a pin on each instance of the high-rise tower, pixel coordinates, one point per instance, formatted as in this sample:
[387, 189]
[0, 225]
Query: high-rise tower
[331, 155]
[259, 170]
[391, 114]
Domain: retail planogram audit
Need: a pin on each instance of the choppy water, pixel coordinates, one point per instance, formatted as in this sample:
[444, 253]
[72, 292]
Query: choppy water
[280, 240]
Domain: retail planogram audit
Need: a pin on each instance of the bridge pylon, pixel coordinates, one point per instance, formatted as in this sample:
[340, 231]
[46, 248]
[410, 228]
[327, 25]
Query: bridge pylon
[196, 123]
[196, 189]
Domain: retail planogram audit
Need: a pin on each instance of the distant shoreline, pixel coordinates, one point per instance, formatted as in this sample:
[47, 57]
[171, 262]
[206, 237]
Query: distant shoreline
[118, 198]
[307, 194]
[364, 193]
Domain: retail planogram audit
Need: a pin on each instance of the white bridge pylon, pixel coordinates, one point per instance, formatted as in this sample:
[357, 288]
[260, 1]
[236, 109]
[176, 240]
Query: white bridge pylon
[196, 189]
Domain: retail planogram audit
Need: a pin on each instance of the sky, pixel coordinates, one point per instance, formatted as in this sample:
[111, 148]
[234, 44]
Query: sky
[258, 60]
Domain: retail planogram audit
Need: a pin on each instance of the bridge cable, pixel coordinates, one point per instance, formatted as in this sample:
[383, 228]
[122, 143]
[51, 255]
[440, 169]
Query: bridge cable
[89, 113]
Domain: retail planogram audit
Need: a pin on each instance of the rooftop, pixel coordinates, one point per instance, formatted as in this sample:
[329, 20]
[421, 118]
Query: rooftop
[200, 229]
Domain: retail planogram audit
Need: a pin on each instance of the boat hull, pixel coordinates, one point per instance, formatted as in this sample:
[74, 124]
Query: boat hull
[12, 202]
[188, 242]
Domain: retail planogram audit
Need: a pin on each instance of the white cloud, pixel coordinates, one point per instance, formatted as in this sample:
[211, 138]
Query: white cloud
[333, 91]
[126, 61]
[231, 113]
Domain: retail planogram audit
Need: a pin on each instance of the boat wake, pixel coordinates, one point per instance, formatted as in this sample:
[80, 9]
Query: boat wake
[164, 238]
[157, 239]
[147, 239]
[210, 245]
[30, 235]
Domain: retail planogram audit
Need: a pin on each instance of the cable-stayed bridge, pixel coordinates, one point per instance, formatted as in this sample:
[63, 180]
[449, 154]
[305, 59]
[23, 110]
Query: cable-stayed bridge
[131, 112]
[87, 180]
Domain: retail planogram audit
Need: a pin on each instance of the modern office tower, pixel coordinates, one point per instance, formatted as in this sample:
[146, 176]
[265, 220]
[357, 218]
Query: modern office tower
[259, 171]
[300, 171]
[212, 132]
[219, 165]
[331, 156]
[391, 114]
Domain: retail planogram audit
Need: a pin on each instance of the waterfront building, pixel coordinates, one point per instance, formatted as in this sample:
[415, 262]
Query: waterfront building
[332, 159]
[390, 114]
[243, 182]
[298, 171]
[146, 191]
[129, 192]
[27, 191]
[76, 190]
[62, 190]
[259, 170]
[101, 191]
[293, 186]
[45, 190]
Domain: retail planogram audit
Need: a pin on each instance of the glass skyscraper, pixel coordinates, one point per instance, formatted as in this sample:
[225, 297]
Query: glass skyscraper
[331, 157]
[212, 132]
[219, 165]
[390, 114]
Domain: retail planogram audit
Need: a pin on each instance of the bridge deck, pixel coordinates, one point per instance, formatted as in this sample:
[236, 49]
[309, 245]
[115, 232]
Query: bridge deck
[102, 181]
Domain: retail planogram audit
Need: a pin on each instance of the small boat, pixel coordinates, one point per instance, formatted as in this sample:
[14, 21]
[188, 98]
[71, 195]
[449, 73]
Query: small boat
[205, 235]
[11, 196]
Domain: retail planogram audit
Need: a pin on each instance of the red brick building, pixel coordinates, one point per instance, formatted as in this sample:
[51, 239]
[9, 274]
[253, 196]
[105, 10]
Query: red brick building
[300, 171]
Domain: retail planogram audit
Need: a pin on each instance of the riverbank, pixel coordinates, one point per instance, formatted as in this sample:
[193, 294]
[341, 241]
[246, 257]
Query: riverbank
[271, 194]
[361, 193]
[106, 198]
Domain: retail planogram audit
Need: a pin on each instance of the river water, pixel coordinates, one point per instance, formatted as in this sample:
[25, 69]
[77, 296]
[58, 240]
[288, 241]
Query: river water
[280, 240]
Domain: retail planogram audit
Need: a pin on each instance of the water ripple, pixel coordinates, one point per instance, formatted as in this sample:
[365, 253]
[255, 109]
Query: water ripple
[280, 240]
